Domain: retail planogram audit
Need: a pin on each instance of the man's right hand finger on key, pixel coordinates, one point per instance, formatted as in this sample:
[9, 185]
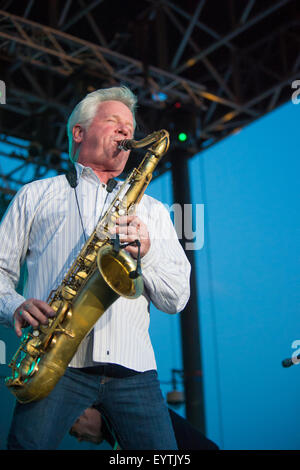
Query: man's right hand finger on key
[31, 312]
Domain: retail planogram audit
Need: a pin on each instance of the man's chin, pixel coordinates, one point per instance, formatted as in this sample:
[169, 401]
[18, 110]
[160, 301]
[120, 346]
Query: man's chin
[119, 155]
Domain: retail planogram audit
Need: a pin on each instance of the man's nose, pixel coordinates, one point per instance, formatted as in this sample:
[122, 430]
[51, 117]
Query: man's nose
[123, 130]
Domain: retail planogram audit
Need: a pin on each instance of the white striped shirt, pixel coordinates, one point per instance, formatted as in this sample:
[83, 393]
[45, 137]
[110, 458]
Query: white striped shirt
[42, 228]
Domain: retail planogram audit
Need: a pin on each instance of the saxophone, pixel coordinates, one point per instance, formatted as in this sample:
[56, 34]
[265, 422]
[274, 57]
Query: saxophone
[101, 273]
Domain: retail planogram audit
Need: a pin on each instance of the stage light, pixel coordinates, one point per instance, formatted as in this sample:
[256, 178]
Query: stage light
[182, 137]
[160, 96]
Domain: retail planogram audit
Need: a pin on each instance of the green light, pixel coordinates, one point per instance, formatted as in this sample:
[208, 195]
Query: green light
[182, 136]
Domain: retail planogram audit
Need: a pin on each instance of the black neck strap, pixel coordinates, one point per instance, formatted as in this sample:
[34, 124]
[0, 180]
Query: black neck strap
[72, 177]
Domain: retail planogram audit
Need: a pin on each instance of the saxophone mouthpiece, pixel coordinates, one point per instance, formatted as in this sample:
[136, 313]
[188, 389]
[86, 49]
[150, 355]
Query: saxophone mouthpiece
[125, 145]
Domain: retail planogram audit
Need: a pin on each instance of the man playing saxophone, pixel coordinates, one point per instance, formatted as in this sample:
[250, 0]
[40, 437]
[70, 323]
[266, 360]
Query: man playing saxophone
[44, 228]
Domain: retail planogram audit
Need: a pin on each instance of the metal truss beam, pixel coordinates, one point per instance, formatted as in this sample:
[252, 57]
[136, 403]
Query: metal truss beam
[224, 83]
[62, 53]
[231, 35]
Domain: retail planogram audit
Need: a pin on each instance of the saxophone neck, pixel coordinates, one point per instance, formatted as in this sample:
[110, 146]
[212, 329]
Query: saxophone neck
[159, 139]
[161, 144]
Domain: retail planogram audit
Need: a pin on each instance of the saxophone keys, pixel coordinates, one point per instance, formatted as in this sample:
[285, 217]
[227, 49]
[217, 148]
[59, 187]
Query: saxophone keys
[101, 234]
[32, 347]
[52, 342]
[65, 331]
[80, 276]
[90, 258]
[56, 305]
[69, 333]
[98, 244]
[68, 293]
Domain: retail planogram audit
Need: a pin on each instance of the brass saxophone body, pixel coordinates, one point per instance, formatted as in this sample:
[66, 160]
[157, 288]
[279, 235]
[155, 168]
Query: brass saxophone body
[97, 278]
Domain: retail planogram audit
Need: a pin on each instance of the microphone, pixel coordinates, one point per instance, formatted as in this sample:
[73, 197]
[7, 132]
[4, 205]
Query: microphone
[125, 145]
[111, 184]
[289, 362]
[72, 177]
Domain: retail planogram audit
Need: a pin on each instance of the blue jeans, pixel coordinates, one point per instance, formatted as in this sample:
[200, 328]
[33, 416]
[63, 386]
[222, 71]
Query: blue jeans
[134, 406]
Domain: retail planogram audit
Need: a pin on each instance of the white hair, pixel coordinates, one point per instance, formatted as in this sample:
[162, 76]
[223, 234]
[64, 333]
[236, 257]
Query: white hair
[85, 111]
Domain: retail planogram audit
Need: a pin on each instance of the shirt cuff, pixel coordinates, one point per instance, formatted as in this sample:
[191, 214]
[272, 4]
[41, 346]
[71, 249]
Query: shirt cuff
[9, 307]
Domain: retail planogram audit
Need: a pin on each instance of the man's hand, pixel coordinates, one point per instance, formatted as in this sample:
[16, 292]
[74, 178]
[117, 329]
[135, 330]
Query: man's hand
[32, 312]
[130, 228]
[88, 427]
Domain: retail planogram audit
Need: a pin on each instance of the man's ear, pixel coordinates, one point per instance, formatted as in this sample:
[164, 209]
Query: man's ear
[77, 133]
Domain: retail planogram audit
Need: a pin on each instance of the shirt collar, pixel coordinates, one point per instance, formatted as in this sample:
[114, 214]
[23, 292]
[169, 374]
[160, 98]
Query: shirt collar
[87, 173]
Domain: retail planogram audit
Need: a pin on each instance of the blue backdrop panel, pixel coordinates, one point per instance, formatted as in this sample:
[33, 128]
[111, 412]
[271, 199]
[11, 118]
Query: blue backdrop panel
[248, 279]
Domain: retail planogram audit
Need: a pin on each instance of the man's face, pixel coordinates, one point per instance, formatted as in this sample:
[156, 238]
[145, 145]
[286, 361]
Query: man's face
[112, 123]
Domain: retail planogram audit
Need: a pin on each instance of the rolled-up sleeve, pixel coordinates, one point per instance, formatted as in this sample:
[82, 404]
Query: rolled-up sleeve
[14, 230]
[166, 269]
